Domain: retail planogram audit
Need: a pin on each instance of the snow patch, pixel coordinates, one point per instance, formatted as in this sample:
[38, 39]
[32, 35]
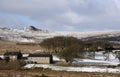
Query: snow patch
[26, 40]
[75, 69]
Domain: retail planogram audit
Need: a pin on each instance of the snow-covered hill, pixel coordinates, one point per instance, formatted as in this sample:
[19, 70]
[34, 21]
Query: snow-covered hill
[32, 34]
[28, 34]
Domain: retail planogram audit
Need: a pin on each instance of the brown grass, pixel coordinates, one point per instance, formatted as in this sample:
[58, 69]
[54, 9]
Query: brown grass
[50, 73]
[15, 46]
[17, 64]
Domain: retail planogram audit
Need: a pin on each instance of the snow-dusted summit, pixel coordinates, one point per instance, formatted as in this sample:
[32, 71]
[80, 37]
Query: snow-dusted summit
[32, 28]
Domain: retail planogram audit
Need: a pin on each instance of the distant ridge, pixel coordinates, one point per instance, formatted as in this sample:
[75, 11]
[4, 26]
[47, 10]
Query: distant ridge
[33, 34]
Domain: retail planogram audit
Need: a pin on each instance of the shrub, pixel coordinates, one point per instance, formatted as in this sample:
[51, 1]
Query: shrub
[111, 66]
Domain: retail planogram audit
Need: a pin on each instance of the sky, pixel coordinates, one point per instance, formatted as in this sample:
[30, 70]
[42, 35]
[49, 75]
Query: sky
[61, 15]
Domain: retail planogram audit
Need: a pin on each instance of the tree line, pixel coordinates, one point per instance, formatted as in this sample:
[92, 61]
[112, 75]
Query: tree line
[71, 47]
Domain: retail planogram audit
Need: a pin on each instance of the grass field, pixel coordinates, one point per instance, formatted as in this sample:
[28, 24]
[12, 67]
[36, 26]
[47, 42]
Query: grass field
[50, 73]
[14, 46]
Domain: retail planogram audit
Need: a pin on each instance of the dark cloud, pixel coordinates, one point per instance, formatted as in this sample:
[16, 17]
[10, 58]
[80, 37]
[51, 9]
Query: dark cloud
[74, 15]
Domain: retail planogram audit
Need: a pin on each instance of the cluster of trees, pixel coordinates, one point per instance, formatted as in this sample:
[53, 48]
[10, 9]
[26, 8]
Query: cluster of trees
[71, 47]
[66, 47]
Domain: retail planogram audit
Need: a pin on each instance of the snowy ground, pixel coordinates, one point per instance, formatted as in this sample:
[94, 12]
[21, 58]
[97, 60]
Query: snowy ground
[99, 61]
[75, 69]
[95, 62]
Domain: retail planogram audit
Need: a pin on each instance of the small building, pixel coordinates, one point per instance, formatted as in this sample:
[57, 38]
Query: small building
[40, 58]
[13, 55]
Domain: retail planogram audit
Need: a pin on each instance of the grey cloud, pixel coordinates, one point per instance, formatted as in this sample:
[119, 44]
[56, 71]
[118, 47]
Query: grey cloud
[63, 14]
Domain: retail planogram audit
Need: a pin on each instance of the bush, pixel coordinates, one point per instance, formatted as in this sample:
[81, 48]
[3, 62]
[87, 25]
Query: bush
[111, 66]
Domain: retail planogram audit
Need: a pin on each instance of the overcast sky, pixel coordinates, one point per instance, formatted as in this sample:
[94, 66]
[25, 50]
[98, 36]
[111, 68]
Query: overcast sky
[61, 15]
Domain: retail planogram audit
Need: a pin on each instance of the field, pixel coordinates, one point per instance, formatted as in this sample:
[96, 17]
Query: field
[15, 46]
[50, 73]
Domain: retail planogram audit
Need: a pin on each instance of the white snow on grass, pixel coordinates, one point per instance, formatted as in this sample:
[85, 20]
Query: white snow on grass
[95, 62]
[99, 60]
[75, 69]
[100, 56]
[29, 66]
[26, 40]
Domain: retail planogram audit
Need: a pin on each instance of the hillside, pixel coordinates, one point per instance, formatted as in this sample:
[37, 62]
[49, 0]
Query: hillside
[32, 34]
